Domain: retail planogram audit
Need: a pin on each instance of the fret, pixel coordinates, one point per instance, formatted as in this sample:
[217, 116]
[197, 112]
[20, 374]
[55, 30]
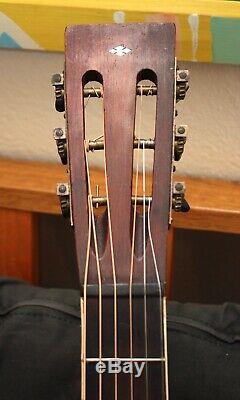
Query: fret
[122, 359]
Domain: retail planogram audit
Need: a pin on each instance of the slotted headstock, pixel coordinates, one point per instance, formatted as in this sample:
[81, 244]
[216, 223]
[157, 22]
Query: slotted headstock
[119, 57]
[121, 249]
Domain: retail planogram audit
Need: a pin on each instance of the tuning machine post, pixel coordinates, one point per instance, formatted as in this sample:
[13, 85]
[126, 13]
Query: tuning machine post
[179, 203]
[63, 193]
[182, 78]
[180, 138]
[60, 137]
[58, 84]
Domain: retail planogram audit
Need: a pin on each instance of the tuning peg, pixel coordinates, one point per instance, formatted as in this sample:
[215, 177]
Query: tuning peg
[59, 135]
[182, 77]
[178, 201]
[185, 206]
[180, 138]
[63, 193]
[58, 84]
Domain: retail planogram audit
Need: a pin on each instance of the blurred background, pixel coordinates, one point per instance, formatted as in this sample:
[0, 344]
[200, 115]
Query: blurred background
[36, 243]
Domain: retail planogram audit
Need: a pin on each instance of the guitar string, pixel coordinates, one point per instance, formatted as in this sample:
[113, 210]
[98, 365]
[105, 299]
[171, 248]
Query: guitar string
[98, 268]
[145, 268]
[133, 244]
[165, 348]
[89, 96]
[131, 275]
[113, 272]
[90, 210]
[83, 305]
[162, 309]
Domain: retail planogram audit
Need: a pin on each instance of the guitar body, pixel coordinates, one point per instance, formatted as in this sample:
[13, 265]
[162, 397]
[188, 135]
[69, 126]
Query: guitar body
[121, 251]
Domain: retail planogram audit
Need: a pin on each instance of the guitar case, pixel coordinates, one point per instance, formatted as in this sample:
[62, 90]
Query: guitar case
[40, 346]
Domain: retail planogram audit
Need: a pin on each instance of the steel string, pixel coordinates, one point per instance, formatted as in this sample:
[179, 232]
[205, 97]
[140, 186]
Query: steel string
[83, 308]
[162, 310]
[114, 274]
[133, 241]
[145, 269]
[98, 267]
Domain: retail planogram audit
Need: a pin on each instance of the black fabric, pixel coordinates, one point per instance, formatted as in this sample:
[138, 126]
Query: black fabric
[40, 346]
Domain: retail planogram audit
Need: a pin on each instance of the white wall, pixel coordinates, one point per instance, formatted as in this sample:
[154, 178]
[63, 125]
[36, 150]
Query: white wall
[211, 109]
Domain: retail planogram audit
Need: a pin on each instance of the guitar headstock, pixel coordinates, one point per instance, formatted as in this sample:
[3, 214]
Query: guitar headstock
[127, 63]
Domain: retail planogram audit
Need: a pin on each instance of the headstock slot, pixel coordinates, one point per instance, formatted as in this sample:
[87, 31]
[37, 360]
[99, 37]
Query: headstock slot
[94, 123]
[143, 153]
[93, 109]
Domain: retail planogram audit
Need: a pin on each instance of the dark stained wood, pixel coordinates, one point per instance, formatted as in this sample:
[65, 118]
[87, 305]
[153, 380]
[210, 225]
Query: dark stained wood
[152, 57]
[170, 260]
[57, 259]
[87, 58]
[206, 267]
[18, 245]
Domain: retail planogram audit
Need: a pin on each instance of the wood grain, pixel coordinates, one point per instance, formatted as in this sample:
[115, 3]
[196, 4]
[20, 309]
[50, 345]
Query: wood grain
[46, 21]
[151, 57]
[18, 250]
[30, 186]
[92, 42]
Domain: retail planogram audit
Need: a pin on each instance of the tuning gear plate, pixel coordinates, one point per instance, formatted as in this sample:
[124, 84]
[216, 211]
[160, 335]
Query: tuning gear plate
[179, 202]
[180, 138]
[63, 192]
[59, 135]
[58, 84]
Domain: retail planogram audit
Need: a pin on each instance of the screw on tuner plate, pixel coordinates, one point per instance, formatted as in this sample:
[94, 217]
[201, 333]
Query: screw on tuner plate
[58, 84]
[59, 135]
[179, 203]
[182, 77]
[180, 138]
[63, 193]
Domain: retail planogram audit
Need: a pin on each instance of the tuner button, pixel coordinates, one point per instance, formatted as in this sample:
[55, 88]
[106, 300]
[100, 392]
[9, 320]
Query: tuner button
[185, 206]
[59, 104]
[178, 201]
[64, 198]
[61, 142]
[58, 84]
[65, 206]
[180, 138]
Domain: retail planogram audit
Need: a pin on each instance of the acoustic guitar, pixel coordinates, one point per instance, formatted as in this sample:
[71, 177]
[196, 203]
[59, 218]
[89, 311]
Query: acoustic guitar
[121, 235]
